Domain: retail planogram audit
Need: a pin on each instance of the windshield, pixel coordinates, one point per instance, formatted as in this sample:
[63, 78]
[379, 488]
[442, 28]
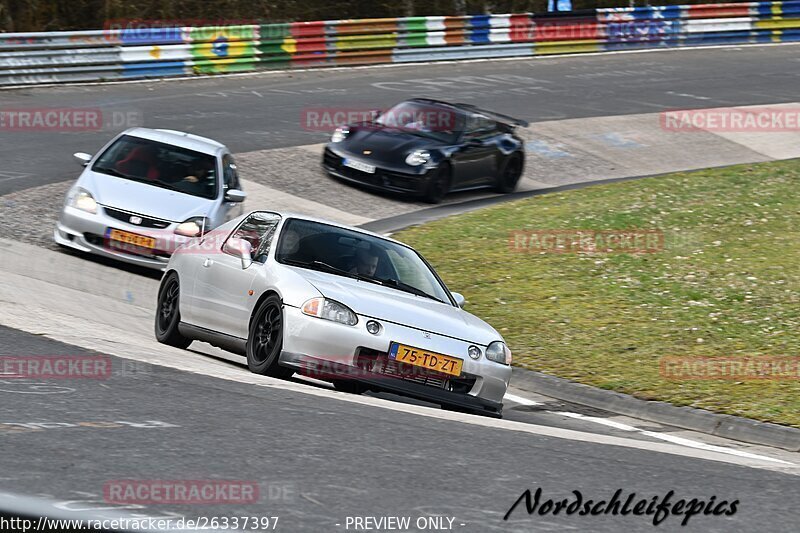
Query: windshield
[429, 120]
[348, 253]
[160, 165]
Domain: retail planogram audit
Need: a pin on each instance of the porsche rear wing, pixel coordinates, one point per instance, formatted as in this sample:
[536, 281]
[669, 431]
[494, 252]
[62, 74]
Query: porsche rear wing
[505, 119]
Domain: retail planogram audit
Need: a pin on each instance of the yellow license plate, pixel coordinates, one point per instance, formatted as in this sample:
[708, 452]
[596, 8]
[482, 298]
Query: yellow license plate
[131, 238]
[425, 359]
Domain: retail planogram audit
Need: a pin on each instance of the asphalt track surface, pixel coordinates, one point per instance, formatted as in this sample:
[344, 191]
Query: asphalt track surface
[267, 110]
[319, 461]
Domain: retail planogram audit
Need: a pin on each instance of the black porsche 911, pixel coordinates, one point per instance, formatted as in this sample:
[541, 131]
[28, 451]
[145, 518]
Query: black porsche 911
[429, 148]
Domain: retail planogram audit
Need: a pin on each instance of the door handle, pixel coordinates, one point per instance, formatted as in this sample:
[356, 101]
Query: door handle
[208, 262]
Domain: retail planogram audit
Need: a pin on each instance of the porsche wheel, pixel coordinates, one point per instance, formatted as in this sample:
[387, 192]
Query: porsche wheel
[510, 174]
[265, 339]
[168, 314]
[438, 185]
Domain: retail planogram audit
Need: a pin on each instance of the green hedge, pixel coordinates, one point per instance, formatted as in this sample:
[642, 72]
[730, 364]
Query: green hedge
[54, 15]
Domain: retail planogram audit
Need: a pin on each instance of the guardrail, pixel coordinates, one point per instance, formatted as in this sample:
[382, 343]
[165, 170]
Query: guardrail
[156, 52]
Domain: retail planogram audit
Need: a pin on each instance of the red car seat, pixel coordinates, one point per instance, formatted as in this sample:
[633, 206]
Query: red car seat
[140, 162]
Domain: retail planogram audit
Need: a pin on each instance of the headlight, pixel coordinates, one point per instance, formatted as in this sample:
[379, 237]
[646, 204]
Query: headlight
[330, 310]
[499, 353]
[418, 157]
[340, 134]
[83, 200]
[194, 227]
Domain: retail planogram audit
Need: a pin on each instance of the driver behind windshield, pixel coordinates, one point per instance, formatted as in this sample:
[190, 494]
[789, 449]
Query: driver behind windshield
[366, 261]
[417, 122]
[199, 172]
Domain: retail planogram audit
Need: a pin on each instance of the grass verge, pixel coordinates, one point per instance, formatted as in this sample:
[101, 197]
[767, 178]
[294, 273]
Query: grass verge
[725, 283]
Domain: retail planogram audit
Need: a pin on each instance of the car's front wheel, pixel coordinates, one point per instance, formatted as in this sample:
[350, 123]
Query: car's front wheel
[510, 174]
[265, 339]
[168, 314]
[438, 184]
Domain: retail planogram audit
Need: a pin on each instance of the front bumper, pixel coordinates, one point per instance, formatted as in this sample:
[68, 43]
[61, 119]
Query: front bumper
[87, 232]
[329, 350]
[385, 179]
[379, 381]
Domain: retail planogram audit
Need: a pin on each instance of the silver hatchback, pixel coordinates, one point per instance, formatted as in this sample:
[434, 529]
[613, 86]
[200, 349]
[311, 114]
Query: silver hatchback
[336, 303]
[148, 192]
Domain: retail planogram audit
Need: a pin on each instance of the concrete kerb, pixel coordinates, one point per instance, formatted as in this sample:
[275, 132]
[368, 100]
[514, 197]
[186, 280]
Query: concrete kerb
[700, 420]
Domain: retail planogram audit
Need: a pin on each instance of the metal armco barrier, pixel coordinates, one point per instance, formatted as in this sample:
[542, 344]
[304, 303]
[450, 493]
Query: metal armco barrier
[134, 52]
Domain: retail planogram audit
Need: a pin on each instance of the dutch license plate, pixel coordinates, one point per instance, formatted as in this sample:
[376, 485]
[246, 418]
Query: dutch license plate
[425, 359]
[126, 237]
[358, 165]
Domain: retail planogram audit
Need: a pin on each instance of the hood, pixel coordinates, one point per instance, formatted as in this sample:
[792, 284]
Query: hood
[386, 144]
[144, 199]
[391, 305]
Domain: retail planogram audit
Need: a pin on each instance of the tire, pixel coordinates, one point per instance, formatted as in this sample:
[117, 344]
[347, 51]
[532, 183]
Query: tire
[349, 386]
[265, 339]
[168, 314]
[510, 174]
[438, 185]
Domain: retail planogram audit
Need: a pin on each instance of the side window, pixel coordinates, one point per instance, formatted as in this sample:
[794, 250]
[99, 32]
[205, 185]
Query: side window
[479, 126]
[471, 124]
[258, 229]
[229, 173]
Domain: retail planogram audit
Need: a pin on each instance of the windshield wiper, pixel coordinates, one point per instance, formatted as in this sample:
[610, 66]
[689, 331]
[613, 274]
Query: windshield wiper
[112, 172]
[405, 287]
[330, 268]
[118, 174]
[325, 267]
[162, 184]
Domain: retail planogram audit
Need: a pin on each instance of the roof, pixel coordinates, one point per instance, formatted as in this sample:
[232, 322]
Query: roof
[302, 216]
[437, 102]
[470, 108]
[178, 138]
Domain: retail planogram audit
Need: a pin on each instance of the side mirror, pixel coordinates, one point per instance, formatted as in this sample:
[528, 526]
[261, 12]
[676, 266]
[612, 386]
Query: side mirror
[235, 195]
[459, 298]
[82, 157]
[239, 248]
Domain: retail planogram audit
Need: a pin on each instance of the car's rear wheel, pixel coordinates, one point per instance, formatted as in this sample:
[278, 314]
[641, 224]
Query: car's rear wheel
[168, 314]
[438, 185]
[265, 339]
[510, 174]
